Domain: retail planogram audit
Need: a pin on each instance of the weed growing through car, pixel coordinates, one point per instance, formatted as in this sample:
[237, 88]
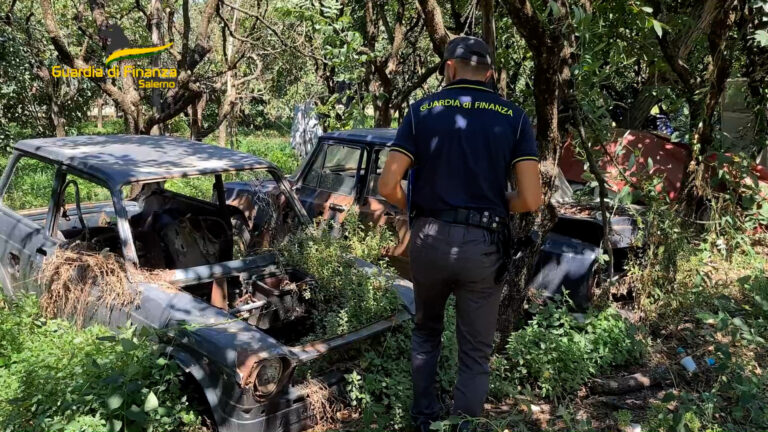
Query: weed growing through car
[347, 298]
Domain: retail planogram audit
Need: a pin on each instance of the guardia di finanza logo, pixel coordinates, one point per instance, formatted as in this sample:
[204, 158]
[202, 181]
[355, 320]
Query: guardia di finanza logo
[119, 48]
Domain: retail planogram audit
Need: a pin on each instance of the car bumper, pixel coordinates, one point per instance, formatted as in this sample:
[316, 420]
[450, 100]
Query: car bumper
[290, 412]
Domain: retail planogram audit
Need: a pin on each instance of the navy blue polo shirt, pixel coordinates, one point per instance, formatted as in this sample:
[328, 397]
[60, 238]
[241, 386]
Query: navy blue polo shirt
[463, 140]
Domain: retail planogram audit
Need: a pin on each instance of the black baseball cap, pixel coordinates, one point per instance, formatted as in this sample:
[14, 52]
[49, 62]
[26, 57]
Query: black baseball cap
[468, 48]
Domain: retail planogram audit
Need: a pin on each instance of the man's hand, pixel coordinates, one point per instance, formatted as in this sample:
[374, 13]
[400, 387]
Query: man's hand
[528, 196]
[389, 182]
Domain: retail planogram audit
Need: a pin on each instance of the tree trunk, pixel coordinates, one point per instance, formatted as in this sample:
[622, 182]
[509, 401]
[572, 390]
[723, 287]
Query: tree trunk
[433, 17]
[695, 185]
[489, 26]
[229, 46]
[383, 115]
[222, 139]
[756, 73]
[519, 273]
[196, 117]
[640, 108]
[156, 25]
[194, 126]
[719, 70]
[502, 84]
[57, 120]
[552, 56]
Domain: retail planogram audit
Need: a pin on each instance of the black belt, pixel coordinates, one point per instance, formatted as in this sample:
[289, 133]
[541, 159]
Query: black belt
[466, 217]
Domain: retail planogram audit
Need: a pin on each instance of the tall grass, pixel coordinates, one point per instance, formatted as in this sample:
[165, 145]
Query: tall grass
[55, 377]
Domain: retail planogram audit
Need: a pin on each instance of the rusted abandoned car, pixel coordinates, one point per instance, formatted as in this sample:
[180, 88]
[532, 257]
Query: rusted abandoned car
[342, 173]
[244, 357]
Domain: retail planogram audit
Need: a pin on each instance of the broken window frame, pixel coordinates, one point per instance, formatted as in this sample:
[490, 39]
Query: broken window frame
[322, 147]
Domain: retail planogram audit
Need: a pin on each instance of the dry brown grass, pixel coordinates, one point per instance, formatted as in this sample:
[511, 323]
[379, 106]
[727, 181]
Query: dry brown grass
[78, 280]
[323, 404]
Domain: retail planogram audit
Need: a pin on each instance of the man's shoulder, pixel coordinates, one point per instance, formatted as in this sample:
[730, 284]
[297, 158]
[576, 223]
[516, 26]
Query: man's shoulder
[518, 110]
[415, 105]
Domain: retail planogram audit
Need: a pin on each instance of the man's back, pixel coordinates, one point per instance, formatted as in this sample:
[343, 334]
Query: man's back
[461, 143]
[463, 140]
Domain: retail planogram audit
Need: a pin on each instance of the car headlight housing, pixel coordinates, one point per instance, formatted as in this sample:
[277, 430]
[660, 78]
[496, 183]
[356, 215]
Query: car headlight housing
[268, 376]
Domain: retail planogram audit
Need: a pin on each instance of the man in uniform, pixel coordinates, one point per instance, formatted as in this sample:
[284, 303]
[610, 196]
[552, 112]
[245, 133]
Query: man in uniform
[462, 143]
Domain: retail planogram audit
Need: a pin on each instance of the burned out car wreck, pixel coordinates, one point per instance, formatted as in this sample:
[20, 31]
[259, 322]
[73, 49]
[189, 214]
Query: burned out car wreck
[244, 352]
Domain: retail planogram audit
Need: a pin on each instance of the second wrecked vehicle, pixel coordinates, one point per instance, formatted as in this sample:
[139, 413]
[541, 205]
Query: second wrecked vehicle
[342, 172]
[125, 194]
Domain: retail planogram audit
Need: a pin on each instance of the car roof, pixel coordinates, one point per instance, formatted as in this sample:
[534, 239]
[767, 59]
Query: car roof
[121, 159]
[378, 136]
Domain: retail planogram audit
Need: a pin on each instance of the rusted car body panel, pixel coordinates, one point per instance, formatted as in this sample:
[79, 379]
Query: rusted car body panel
[225, 351]
[631, 150]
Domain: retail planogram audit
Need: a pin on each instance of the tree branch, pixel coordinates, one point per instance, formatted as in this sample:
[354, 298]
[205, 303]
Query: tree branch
[415, 84]
[527, 23]
[433, 18]
[275, 32]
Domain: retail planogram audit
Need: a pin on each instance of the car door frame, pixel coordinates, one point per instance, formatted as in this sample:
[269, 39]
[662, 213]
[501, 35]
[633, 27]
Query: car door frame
[116, 196]
[38, 243]
[379, 211]
[361, 177]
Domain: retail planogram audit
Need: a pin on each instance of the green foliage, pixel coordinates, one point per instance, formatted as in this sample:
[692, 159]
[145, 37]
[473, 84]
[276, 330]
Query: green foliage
[722, 297]
[735, 205]
[178, 126]
[623, 418]
[275, 149]
[27, 90]
[348, 297]
[55, 377]
[556, 354]
[30, 186]
[109, 127]
[340, 44]
[381, 385]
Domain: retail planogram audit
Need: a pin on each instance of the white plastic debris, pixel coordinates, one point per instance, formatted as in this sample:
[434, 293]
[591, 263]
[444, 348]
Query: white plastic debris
[689, 364]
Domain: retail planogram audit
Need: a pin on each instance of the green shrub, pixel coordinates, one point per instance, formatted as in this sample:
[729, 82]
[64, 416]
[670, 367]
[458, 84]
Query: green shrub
[109, 127]
[348, 298]
[55, 377]
[381, 385]
[178, 126]
[274, 149]
[557, 354]
[30, 186]
[737, 399]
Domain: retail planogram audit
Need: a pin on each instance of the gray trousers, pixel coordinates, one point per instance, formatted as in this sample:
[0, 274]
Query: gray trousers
[460, 260]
